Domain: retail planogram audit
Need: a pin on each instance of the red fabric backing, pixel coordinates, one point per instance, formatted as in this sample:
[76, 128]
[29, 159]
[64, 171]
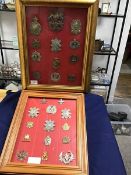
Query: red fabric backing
[36, 146]
[45, 37]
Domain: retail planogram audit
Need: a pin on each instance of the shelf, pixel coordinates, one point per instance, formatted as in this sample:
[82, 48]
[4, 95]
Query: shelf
[7, 10]
[8, 48]
[5, 44]
[113, 52]
[99, 84]
[111, 15]
[10, 78]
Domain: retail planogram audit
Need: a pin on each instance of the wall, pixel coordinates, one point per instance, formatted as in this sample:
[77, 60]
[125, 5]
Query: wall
[104, 32]
[8, 30]
[121, 51]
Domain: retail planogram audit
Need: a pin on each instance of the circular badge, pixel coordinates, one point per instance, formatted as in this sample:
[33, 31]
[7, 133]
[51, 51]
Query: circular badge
[55, 76]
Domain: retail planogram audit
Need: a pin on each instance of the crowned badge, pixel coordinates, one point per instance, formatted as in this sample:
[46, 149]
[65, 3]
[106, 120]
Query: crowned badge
[66, 127]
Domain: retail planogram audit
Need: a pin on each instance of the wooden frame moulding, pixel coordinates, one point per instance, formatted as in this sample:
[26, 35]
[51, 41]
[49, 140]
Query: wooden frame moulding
[7, 166]
[92, 6]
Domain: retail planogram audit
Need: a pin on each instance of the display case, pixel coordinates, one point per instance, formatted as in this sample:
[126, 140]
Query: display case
[55, 39]
[47, 135]
[48, 131]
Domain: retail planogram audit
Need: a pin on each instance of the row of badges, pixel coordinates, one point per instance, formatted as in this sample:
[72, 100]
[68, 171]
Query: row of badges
[55, 23]
[56, 45]
[55, 76]
[48, 126]
[64, 157]
[51, 109]
[56, 61]
[47, 140]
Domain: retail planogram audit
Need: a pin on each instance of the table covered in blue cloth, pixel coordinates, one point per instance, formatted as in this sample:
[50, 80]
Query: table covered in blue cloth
[103, 152]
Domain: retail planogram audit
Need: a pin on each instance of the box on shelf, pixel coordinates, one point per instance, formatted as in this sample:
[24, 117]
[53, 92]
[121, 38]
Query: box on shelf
[48, 131]
[121, 127]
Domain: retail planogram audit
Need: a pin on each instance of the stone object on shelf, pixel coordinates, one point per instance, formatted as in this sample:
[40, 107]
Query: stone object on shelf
[104, 78]
[106, 48]
[98, 45]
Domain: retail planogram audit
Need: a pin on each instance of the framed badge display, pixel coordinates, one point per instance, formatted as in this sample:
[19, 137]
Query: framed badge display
[47, 135]
[56, 43]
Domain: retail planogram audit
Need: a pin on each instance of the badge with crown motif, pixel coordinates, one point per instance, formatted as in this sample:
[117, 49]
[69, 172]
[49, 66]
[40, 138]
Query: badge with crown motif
[35, 27]
[66, 127]
[56, 21]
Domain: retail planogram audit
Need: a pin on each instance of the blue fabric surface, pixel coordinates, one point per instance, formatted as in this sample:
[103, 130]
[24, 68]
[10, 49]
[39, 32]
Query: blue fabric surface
[7, 108]
[103, 151]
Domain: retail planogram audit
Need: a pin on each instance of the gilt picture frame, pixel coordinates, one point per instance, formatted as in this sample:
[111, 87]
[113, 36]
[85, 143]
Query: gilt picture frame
[16, 150]
[61, 74]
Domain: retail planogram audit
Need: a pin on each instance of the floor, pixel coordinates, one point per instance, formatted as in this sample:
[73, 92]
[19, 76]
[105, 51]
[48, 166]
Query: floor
[123, 89]
[123, 96]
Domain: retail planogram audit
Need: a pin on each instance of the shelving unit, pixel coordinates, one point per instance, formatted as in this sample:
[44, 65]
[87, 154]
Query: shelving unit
[7, 10]
[113, 52]
[4, 46]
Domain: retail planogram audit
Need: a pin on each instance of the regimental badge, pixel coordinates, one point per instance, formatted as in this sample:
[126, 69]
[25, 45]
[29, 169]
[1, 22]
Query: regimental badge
[66, 158]
[33, 112]
[55, 45]
[36, 56]
[61, 101]
[30, 124]
[35, 44]
[49, 125]
[22, 155]
[71, 78]
[51, 109]
[44, 156]
[66, 127]
[74, 59]
[35, 27]
[66, 114]
[56, 63]
[56, 21]
[43, 101]
[27, 138]
[74, 44]
[36, 75]
[55, 76]
[47, 140]
[65, 140]
[75, 26]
